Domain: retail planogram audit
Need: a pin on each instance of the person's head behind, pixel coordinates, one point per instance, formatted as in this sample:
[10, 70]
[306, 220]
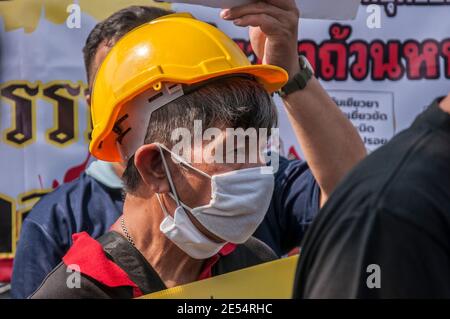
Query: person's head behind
[107, 32]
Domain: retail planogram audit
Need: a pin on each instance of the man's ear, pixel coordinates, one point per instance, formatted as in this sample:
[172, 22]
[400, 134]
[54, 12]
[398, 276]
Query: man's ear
[148, 162]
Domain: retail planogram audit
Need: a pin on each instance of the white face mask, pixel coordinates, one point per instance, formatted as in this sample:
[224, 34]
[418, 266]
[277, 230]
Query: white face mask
[183, 233]
[239, 201]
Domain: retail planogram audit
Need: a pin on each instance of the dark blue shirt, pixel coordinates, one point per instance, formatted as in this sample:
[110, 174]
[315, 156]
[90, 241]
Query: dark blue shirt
[87, 205]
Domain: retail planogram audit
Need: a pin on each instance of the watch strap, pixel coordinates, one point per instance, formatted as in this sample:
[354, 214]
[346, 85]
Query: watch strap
[299, 81]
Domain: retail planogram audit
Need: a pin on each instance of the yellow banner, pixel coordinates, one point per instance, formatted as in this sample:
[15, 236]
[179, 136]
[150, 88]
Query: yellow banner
[273, 280]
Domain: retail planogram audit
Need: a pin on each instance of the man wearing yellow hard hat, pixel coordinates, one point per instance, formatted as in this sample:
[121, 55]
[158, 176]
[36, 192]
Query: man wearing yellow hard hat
[183, 220]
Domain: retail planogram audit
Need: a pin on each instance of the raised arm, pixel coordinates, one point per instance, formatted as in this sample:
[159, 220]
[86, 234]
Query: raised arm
[330, 143]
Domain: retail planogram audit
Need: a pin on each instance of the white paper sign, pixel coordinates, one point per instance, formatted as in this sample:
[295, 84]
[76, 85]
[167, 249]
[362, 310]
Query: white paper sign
[311, 9]
[371, 112]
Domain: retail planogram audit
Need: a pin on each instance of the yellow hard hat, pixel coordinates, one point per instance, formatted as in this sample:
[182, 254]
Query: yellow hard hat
[176, 48]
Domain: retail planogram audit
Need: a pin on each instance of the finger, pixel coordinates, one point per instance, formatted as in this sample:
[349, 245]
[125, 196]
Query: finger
[258, 41]
[268, 24]
[256, 8]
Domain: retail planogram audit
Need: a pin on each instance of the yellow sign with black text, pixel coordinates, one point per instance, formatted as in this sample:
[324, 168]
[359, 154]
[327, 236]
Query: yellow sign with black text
[273, 280]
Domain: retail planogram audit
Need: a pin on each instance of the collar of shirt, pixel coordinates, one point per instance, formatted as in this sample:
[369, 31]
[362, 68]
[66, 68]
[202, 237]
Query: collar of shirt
[88, 254]
[88, 257]
[209, 264]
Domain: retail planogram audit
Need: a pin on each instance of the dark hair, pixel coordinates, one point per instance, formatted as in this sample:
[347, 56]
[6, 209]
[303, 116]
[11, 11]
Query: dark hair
[116, 26]
[233, 102]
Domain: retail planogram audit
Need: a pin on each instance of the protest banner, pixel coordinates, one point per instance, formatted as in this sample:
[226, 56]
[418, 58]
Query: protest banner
[382, 69]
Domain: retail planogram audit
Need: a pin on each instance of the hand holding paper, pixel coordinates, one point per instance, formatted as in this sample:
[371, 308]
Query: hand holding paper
[312, 9]
[273, 30]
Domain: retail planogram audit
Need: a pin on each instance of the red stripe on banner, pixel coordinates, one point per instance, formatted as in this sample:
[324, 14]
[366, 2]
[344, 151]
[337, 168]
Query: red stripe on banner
[6, 266]
[75, 172]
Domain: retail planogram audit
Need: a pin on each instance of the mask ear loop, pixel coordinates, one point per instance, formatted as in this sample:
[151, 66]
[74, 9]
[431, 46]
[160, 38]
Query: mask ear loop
[169, 176]
[182, 204]
[183, 161]
[163, 207]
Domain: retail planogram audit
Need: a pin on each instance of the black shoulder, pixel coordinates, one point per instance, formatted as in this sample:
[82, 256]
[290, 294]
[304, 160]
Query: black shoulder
[64, 283]
[253, 252]
[256, 251]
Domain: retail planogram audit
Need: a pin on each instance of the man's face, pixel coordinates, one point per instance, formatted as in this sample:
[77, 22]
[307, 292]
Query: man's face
[215, 157]
[219, 156]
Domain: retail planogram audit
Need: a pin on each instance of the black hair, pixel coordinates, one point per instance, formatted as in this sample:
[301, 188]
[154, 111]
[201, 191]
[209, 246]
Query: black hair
[116, 26]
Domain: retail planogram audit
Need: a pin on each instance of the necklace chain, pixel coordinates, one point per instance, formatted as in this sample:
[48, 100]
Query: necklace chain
[125, 230]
